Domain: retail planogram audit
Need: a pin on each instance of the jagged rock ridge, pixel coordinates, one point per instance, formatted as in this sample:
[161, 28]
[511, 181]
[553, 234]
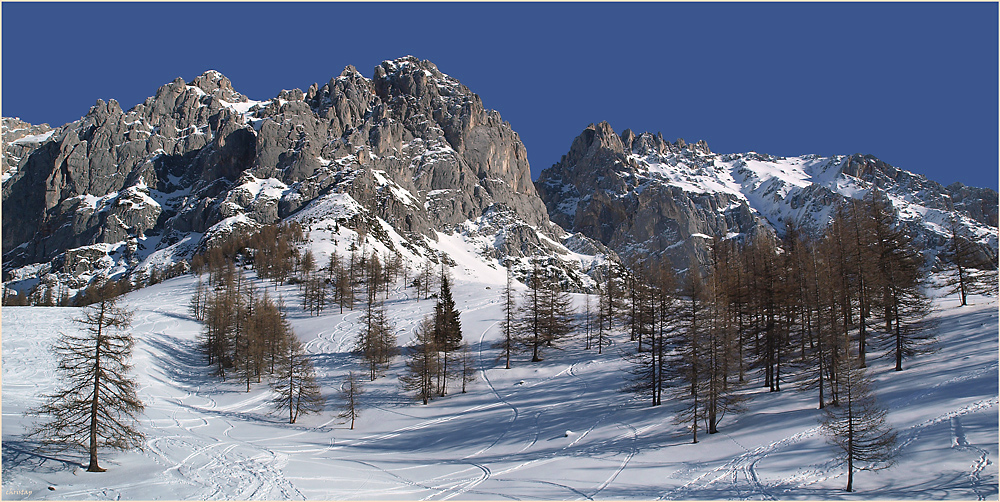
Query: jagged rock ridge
[643, 196]
[412, 147]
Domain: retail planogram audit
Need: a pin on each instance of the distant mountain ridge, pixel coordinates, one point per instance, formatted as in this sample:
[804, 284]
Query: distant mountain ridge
[643, 196]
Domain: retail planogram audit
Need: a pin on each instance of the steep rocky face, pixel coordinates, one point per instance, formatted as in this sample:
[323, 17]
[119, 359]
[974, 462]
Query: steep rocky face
[18, 139]
[412, 146]
[643, 196]
[603, 189]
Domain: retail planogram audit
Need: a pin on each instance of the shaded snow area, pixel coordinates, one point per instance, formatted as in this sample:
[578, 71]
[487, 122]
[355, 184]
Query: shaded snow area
[558, 429]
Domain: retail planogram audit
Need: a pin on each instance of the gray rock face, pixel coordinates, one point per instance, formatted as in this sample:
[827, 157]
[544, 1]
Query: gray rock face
[642, 196]
[601, 190]
[412, 145]
[979, 204]
[18, 139]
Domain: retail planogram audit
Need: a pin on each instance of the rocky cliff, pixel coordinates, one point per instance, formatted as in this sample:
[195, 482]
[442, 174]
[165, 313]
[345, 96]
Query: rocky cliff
[643, 196]
[18, 139]
[410, 148]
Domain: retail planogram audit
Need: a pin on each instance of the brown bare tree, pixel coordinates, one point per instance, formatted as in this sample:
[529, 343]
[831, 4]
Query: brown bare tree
[98, 406]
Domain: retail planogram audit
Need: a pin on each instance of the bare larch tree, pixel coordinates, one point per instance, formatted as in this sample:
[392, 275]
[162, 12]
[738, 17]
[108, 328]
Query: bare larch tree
[98, 405]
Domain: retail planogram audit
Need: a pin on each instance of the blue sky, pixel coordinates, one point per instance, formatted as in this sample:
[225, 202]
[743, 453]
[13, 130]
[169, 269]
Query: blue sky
[914, 84]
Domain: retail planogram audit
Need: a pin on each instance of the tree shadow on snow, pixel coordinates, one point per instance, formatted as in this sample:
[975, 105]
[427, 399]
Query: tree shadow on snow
[181, 360]
[183, 317]
[33, 456]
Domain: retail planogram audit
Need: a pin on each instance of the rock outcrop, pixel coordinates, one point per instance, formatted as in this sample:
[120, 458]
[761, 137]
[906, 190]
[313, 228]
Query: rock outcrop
[19, 138]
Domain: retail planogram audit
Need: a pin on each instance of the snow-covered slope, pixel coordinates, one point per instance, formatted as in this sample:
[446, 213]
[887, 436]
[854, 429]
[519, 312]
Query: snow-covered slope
[642, 195]
[559, 429]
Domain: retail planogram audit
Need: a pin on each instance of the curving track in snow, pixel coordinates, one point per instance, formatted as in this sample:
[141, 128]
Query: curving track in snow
[209, 439]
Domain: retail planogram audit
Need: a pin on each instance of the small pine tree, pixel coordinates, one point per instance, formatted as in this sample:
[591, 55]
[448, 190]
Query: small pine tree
[343, 290]
[961, 255]
[307, 264]
[376, 342]
[447, 328]
[425, 279]
[314, 295]
[689, 362]
[602, 301]
[468, 371]
[546, 315]
[98, 405]
[197, 304]
[899, 273]
[648, 370]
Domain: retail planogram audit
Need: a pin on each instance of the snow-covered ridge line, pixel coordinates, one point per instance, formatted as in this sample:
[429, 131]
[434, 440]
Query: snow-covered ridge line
[643, 196]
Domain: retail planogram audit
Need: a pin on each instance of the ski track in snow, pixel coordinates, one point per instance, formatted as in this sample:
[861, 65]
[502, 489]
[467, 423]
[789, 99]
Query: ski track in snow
[746, 463]
[213, 442]
[220, 467]
[486, 377]
[447, 489]
[982, 460]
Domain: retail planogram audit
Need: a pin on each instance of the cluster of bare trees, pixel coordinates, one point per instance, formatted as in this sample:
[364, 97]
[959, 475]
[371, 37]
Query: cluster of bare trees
[345, 276]
[376, 343]
[271, 249]
[972, 274]
[686, 343]
[543, 320]
[246, 334]
[58, 294]
[800, 309]
[247, 337]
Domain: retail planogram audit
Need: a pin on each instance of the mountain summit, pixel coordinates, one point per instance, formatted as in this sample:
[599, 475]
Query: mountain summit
[403, 156]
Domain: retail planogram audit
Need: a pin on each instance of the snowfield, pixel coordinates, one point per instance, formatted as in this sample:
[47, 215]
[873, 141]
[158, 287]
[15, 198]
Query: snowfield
[559, 429]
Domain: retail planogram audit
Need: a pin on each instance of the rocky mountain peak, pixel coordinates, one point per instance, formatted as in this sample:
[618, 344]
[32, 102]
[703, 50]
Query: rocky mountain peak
[102, 110]
[216, 84]
[420, 83]
[350, 71]
[597, 141]
[410, 152]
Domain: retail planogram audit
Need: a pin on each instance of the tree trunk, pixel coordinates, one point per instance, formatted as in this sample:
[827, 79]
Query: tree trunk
[694, 420]
[850, 439]
[899, 338]
[850, 474]
[94, 467]
[291, 389]
[443, 376]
